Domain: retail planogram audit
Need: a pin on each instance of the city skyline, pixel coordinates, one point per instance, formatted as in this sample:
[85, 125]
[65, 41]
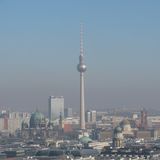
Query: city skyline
[40, 45]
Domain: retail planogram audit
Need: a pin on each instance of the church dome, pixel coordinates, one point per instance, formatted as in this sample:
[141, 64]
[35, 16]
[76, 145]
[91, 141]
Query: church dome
[85, 139]
[118, 134]
[125, 122]
[118, 129]
[36, 119]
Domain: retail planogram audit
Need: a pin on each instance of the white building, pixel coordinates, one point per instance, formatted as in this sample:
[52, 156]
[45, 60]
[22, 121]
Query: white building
[56, 107]
[93, 116]
[88, 116]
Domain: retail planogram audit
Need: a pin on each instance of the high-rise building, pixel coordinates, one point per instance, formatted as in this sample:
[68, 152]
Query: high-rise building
[88, 116]
[143, 119]
[67, 112]
[56, 107]
[81, 67]
[93, 116]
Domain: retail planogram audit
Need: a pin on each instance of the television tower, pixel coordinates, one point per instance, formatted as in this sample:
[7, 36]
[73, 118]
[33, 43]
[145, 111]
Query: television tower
[81, 67]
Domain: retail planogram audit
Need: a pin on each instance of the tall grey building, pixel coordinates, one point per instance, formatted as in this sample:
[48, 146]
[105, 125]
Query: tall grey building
[67, 112]
[56, 107]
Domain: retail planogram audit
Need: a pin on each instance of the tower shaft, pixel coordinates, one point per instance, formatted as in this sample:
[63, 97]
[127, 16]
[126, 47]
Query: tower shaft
[82, 104]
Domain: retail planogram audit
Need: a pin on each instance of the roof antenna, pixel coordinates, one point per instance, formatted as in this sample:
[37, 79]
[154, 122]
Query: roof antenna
[81, 40]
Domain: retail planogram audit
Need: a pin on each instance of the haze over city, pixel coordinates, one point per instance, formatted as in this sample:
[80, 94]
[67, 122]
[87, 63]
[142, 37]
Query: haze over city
[40, 45]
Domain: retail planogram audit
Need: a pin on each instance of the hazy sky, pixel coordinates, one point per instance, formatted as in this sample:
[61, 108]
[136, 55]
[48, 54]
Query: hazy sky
[39, 49]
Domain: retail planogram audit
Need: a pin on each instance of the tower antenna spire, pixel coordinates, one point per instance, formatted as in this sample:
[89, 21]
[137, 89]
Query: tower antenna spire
[81, 40]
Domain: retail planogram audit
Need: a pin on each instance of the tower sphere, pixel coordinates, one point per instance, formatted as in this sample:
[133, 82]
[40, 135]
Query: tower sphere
[81, 67]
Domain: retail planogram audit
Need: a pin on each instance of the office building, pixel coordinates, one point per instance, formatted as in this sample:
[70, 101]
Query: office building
[56, 107]
[93, 116]
[88, 116]
[67, 112]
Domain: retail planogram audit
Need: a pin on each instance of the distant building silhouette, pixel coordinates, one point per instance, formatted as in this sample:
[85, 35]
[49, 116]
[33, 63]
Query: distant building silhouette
[144, 119]
[68, 112]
